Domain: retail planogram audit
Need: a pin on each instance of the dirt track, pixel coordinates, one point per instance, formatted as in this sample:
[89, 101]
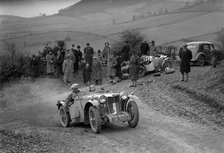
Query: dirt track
[32, 109]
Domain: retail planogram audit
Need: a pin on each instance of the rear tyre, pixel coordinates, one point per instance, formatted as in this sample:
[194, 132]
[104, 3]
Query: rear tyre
[141, 71]
[201, 61]
[64, 117]
[167, 64]
[94, 119]
[132, 110]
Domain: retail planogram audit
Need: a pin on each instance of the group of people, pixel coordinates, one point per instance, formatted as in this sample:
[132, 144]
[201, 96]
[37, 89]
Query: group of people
[67, 63]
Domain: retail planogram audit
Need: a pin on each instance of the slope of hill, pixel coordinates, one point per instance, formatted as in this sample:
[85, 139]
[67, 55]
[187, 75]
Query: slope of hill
[209, 6]
[10, 18]
[85, 7]
[97, 20]
[201, 25]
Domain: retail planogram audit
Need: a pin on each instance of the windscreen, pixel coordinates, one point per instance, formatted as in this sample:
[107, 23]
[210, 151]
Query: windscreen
[193, 48]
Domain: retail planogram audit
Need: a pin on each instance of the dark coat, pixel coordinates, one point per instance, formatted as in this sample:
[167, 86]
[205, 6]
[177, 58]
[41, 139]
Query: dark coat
[59, 62]
[88, 51]
[97, 70]
[125, 53]
[86, 74]
[185, 57]
[133, 68]
[34, 67]
[144, 48]
[118, 67]
[78, 57]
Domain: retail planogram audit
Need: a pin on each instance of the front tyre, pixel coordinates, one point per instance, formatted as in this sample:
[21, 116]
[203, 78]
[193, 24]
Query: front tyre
[94, 119]
[132, 110]
[64, 117]
[141, 71]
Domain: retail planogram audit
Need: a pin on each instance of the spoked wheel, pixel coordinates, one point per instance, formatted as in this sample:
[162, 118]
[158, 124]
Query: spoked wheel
[141, 71]
[94, 119]
[132, 109]
[64, 117]
[167, 64]
[201, 61]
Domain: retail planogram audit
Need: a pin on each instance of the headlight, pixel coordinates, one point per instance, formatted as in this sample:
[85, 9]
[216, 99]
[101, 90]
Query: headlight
[102, 99]
[124, 95]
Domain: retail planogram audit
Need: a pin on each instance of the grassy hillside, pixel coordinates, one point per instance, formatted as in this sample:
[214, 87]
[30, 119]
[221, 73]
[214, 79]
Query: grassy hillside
[201, 25]
[113, 18]
[210, 6]
[85, 7]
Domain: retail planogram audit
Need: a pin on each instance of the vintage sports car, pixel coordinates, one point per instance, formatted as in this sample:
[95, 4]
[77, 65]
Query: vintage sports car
[97, 108]
[149, 64]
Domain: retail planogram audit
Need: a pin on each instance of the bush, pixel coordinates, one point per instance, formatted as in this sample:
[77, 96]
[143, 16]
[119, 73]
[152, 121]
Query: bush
[134, 37]
[13, 63]
[220, 38]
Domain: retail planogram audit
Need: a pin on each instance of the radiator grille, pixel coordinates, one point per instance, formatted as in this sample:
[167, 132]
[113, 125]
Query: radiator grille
[113, 104]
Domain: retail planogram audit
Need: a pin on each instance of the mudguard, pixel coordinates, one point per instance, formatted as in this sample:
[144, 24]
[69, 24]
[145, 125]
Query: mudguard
[94, 103]
[197, 56]
[62, 103]
[132, 97]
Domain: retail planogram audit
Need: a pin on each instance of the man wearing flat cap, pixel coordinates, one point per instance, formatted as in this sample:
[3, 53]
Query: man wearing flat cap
[144, 48]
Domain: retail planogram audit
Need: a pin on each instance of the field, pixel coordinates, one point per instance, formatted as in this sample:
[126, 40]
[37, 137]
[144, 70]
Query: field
[31, 34]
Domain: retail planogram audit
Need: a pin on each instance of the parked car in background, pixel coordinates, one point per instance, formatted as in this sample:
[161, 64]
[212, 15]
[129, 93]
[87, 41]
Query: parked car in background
[149, 64]
[201, 52]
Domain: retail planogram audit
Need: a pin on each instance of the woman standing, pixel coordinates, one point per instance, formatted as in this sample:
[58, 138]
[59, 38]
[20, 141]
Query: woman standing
[86, 74]
[50, 63]
[133, 68]
[97, 71]
[59, 62]
[111, 70]
[68, 68]
[185, 56]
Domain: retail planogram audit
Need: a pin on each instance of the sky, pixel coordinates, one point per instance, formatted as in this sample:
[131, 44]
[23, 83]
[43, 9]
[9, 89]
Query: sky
[32, 8]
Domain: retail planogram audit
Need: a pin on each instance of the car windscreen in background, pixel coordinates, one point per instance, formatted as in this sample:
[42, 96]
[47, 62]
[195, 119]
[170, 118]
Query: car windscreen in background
[193, 48]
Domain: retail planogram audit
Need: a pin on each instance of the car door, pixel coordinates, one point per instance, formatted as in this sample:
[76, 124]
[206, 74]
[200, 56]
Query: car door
[76, 109]
[207, 52]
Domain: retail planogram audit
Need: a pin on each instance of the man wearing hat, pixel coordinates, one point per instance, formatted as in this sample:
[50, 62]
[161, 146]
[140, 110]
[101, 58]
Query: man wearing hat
[144, 48]
[152, 49]
[73, 95]
[78, 55]
[88, 51]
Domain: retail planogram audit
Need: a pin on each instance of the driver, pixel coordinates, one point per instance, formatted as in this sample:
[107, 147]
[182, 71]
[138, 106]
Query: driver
[92, 88]
[73, 95]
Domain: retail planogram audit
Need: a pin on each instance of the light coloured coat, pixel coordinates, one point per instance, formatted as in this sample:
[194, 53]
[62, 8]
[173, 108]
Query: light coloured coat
[68, 69]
